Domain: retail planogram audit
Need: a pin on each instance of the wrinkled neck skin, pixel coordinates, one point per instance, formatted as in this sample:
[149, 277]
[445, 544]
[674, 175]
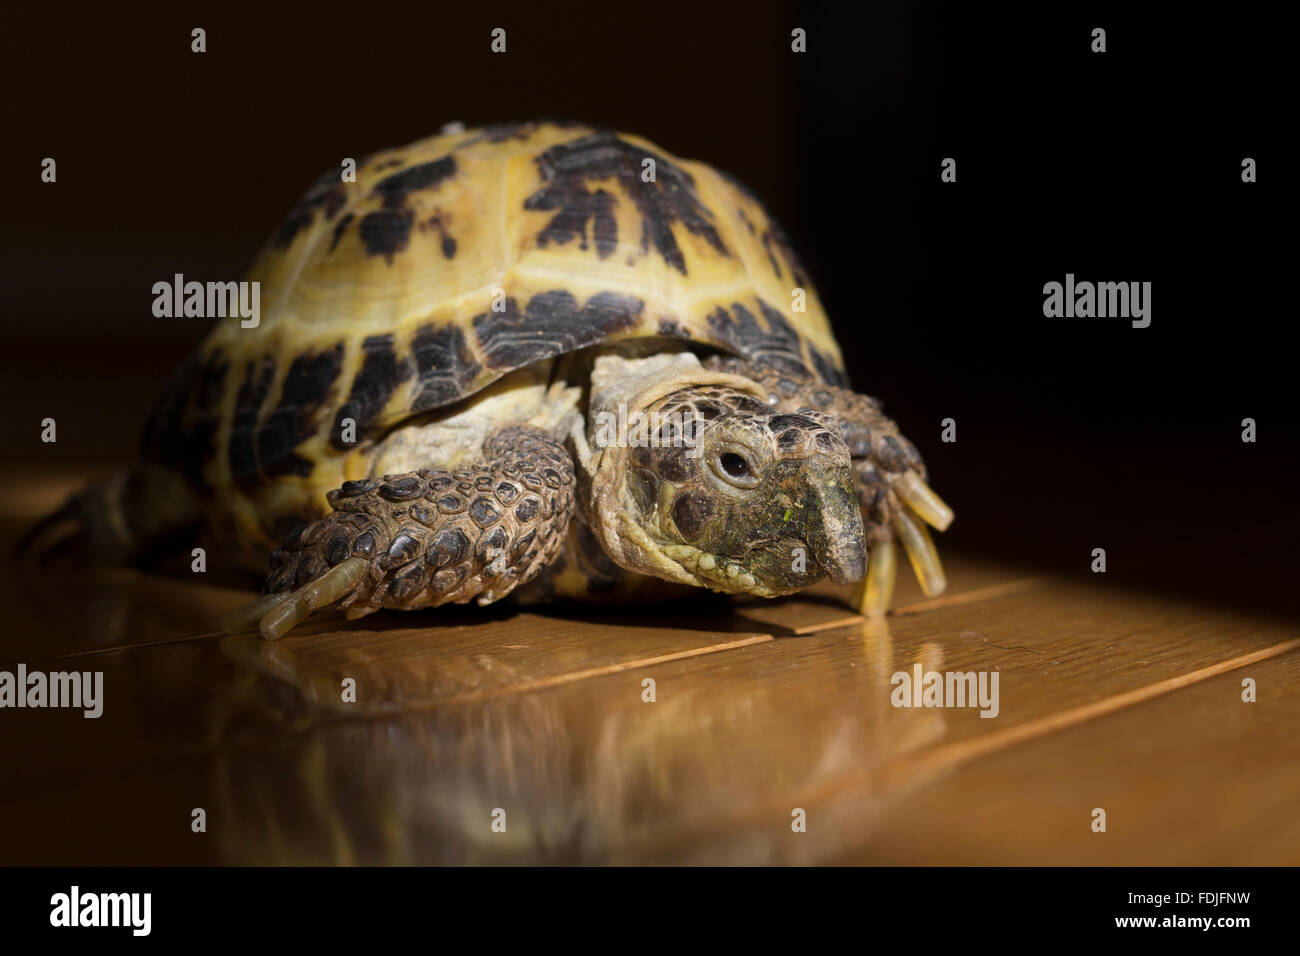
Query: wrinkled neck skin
[626, 386]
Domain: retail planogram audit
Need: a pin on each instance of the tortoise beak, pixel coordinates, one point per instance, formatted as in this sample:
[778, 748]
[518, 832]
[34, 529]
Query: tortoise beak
[833, 527]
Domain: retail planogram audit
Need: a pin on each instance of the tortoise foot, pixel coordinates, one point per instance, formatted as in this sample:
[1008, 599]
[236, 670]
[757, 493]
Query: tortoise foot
[424, 538]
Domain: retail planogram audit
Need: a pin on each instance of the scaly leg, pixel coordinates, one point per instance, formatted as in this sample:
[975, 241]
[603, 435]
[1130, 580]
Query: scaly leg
[896, 501]
[425, 538]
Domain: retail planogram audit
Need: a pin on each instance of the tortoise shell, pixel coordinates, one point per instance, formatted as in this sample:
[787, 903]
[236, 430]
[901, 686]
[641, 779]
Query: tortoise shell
[457, 259]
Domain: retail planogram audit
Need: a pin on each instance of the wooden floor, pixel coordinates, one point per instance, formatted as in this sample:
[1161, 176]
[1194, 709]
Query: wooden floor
[1107, 699]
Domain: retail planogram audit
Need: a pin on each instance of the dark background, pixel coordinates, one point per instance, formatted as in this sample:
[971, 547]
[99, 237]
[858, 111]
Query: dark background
[1120, 166]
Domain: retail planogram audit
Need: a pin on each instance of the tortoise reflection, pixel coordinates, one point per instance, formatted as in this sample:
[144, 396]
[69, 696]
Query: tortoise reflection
[714, 769]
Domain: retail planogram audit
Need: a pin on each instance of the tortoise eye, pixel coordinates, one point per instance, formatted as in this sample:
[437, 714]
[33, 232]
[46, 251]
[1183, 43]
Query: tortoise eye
[733, 465]
[735, 469]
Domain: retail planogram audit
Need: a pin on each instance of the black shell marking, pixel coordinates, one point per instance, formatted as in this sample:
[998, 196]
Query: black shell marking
[552, 324]
[444, 366]
[381, 372]
[295, 418]
[669, 198]
[386, 232]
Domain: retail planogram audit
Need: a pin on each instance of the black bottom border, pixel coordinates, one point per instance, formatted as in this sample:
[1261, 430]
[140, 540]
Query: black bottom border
[921, 906]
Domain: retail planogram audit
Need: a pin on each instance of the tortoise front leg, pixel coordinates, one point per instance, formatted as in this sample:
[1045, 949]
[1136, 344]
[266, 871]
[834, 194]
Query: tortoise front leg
[425, 538]
[891, 478]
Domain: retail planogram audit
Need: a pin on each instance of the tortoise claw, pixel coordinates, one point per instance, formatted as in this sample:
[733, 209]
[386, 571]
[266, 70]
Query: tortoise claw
[246, 618]
[873, 595]
[921, 499]
[276, 614]
[920, 549]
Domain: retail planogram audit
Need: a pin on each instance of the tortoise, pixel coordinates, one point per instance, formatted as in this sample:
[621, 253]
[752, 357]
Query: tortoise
[536, 355]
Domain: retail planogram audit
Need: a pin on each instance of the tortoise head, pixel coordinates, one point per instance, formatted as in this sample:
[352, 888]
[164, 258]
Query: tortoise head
[720, 491]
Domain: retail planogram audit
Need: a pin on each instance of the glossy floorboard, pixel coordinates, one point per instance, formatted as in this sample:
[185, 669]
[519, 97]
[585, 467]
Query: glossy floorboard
[763, 713]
